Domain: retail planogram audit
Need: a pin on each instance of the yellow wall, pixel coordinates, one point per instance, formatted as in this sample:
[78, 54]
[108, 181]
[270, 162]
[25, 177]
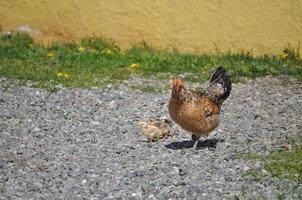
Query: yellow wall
[259, 26]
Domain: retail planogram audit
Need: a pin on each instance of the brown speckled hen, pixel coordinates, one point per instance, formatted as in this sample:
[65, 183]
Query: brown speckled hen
[198, 112]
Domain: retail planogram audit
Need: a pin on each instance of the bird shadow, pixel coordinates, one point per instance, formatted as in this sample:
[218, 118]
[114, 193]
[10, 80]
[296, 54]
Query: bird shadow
[208, 143]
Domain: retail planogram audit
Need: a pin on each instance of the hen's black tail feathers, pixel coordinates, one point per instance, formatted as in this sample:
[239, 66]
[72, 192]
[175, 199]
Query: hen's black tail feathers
[220, 77]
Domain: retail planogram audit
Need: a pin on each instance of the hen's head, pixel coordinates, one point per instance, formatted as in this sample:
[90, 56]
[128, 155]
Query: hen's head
[177, 87]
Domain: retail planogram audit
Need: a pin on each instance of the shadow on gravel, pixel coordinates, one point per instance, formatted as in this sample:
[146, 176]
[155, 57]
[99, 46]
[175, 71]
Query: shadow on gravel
[208, 143]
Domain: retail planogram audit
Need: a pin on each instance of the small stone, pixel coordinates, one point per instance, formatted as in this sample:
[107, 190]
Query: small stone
[246, 168]
[113, 105]
[141, 168]
[99, 103]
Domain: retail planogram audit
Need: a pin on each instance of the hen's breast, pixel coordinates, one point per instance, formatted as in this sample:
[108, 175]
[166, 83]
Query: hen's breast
[198, 116]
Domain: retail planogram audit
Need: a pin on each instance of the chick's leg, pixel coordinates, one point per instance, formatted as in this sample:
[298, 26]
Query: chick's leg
[196, 140]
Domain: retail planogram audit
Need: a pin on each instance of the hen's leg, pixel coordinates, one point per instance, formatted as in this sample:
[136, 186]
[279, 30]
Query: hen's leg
[196, 140]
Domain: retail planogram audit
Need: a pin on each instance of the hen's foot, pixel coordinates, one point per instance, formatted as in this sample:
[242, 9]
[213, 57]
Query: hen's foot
[195, 139]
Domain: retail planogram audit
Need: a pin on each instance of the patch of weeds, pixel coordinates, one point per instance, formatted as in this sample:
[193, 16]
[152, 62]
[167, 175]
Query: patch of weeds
[5, 87]
[50, 87]
[20, 82]
[92, 62]
[146, 88]
[252, 156]
[2, 189]
[248, 156]
[281, 196]
[291, 53]
[248, 141]
[255, 174]
[286, 164]
[242, 191]
[198, 77]
[260, 198]
[167, 88]
[283, 164]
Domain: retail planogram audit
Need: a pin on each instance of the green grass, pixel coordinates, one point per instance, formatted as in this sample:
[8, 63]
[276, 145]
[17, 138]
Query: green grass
[95, 62]
[146, 88]
[255, 174]
[286, 164]
[149, 88]
[282, 164]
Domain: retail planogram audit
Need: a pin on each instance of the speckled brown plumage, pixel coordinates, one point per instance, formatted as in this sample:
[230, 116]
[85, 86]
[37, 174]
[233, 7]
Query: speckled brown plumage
[198, 112]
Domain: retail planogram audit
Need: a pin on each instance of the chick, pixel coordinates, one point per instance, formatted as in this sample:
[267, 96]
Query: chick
[155, 129]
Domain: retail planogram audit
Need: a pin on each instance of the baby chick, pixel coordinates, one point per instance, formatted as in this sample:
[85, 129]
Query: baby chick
[155, 129]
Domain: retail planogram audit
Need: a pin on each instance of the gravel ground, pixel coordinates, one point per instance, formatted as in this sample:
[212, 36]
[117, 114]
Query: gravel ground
[85, 144]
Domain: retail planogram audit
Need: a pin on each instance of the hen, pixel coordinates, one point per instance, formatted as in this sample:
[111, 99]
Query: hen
[198, 112]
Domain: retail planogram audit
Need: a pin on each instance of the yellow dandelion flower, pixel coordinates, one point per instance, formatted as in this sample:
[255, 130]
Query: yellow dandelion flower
[246, 69]
[206, 68]
[284, 56]
[60, 74]
[82, 49]
[49, 54]
[109, 52]
[134, 66]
